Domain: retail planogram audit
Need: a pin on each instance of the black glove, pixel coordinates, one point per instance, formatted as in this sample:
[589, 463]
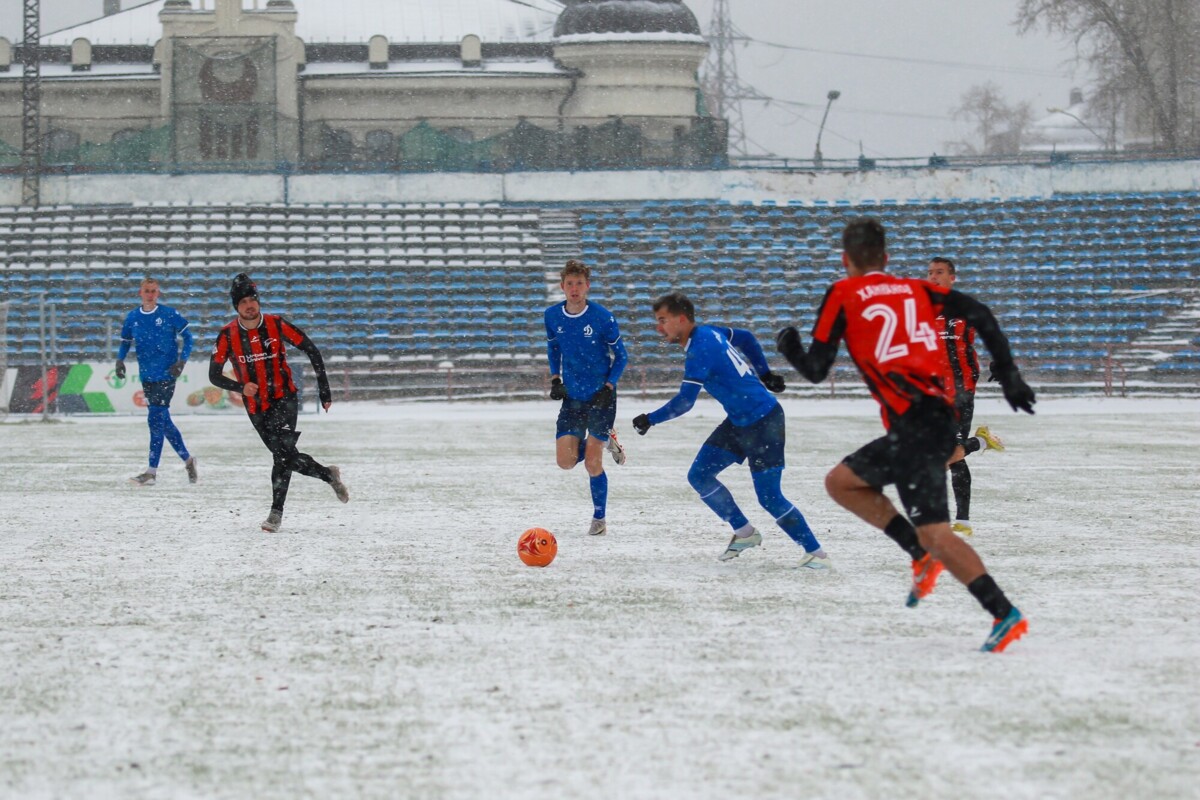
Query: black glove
[557, 390]
[992, 372]
[789, 345]
[603, 397]
[120, 369]
[641, 424]
[1016, 390]
[773, 381]
[176, 369]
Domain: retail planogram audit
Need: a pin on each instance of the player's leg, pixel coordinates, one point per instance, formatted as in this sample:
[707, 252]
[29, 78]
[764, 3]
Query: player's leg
[569, 444]
[600, 422]
[960, 473]
[303, 463]
[764, 443]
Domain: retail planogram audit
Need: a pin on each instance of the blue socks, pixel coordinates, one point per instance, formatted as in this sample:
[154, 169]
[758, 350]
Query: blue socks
[599, 485]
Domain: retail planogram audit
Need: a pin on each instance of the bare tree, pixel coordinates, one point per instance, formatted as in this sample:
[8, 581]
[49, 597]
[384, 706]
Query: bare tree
[998, 127]
[1143, 54]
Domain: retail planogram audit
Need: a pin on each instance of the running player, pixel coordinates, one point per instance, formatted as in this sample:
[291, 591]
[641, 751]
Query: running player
[729, 363]
[586, 358]
[254, 344]
[959, 340]
[154, 331]
[887, 323]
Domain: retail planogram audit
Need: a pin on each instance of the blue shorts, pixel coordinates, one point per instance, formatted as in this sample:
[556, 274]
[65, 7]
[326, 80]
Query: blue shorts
[761, 442]
[159, 393]
[578, 416]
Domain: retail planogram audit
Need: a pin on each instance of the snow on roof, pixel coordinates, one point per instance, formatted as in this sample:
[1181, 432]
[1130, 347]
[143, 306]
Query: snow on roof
[498, 67]
[640, 36]
[356, 21]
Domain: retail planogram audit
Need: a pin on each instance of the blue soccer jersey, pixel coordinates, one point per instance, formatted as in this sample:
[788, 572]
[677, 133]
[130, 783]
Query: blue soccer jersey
[154, 334]
[727, 372]
[584, 349]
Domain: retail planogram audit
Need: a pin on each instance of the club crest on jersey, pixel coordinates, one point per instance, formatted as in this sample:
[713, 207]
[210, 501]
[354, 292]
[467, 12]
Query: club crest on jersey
[587, 330]
[158, 321]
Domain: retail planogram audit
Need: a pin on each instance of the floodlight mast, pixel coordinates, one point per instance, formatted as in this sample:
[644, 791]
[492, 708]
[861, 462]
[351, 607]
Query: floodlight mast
[31, 105]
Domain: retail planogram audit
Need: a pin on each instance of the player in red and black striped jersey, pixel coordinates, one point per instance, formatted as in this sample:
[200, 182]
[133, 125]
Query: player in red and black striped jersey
[887, 323]
[958, 338]
[254, 344]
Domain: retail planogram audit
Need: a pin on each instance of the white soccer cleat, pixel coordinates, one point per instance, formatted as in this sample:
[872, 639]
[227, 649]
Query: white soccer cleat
[598, 528]
[991, 441]
[273, 522]
[739, 543]
[145, 479]
[614, 446]
[816, 561]
[339, 488]
[190, 466]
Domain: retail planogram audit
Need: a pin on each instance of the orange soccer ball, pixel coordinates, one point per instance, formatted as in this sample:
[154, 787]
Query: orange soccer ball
[537, 547]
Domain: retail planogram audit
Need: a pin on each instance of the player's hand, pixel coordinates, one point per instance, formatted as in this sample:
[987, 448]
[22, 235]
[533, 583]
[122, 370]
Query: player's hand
[250, 389]
[641, 424]
[789, 345]
[119, 369]
[603, 397]
[326, 404]
[176, 369]
[992, 372]
[773, 381]
[557, 390]
[1016, 390]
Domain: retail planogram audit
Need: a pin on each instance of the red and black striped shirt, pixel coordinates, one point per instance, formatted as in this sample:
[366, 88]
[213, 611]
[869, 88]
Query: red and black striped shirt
[959, 340]
[257, 356]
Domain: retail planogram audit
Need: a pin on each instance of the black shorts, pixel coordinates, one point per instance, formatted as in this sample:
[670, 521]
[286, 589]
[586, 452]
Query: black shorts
[964, 404]
[159, 393]
[762, 442]
[912, 456]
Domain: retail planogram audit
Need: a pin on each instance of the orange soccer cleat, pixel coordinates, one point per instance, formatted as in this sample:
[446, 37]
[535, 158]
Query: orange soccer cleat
[925, 575]
[1005, 632]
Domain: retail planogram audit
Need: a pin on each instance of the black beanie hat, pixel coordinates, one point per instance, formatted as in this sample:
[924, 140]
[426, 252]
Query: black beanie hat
[242, 288]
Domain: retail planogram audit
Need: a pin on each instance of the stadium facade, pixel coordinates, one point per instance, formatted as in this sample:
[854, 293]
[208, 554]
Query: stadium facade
[479, 85]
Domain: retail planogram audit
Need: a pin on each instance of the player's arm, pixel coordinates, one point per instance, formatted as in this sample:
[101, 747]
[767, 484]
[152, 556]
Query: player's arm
[298, 338]
[815, 363]
[216, 366]
[980, 317]
[747, 343]
[185, 335]
[620, 356]
[677, 406]
[126, 339]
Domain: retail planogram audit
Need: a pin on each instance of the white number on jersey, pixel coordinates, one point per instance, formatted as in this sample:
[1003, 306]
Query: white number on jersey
[738, 362]
[922, 333]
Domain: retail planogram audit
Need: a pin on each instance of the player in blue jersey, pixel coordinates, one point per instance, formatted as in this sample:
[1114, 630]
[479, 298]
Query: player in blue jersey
[729, 363]
[153, 330]
[587, 358]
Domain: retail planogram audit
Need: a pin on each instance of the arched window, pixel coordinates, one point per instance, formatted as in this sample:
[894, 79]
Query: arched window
[59, 141]
[381, 146]
[337, 146]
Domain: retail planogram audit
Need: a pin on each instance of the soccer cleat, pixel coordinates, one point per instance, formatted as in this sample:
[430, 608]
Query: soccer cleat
[273, 521]
[739, 543]
[925, 575]
[599, 528]
[614, 447]
[815, 561]
[962, 528]
[190, 466]
[1005, 632]
[992, 441]
[339, 488]
[145, 479]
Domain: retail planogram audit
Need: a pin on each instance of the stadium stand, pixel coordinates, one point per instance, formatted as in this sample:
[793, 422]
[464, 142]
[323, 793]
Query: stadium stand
[391, 287]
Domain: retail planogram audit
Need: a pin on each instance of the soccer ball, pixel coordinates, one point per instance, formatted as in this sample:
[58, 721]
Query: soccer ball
[537, 547]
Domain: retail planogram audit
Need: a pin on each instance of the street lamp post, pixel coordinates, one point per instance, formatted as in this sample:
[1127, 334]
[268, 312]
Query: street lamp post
[834, 94]
[1087, 127]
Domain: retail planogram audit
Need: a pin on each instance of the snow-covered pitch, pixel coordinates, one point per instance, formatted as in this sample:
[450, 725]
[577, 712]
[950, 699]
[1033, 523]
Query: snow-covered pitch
[156, 643]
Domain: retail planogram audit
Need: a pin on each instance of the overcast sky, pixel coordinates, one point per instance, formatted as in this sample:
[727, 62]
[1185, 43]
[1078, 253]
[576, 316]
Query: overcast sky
[893, 102]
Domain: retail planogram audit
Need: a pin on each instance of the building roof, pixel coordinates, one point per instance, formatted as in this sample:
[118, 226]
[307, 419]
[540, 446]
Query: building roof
[592, 17]
[356, 21]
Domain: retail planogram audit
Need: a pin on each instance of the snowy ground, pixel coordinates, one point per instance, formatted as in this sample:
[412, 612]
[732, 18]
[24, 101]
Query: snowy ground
[156, 643]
